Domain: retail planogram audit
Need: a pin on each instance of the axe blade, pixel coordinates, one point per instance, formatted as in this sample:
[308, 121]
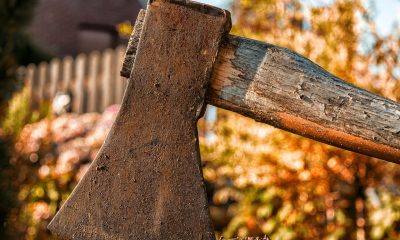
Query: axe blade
[146, 181]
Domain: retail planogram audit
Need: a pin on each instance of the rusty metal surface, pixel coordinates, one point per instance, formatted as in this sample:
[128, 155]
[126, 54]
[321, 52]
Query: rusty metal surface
[146, 182]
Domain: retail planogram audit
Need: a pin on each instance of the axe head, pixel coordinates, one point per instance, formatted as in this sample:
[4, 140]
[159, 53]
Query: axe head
[146, 181]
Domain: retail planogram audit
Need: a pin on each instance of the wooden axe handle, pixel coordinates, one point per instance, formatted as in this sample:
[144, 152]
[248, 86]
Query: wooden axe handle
[279, 87]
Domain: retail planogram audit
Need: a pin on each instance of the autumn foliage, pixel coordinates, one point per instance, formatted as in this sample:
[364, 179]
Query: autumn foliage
[260, 180]
[290, 187]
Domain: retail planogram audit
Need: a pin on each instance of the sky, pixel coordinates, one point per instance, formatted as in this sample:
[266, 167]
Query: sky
[387, 11]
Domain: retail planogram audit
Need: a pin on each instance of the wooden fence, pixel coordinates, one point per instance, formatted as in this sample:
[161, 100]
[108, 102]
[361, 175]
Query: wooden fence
[93, 80]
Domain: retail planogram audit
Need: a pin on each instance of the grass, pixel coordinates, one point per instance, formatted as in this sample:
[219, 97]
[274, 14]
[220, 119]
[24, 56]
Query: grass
[19, 113]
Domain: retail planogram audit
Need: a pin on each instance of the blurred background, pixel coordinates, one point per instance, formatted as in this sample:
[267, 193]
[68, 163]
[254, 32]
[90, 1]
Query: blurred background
[60, 91]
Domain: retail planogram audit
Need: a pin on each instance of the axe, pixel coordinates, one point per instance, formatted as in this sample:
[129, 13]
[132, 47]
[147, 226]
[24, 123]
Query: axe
[146, 181]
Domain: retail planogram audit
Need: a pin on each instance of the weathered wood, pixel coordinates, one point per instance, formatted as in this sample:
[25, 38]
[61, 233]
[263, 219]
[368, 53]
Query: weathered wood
[32, 83]
[94, 86]
[146, 181]
[43, 78]
[130, 54]
[118, 79]
[106, 79]
[93, 61]
[54, 76]
[279, 87]
[79, 83]
[67, 63]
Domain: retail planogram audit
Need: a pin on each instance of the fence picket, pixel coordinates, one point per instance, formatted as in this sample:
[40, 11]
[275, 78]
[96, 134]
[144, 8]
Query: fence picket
[77, 95]
[94, 81]
[67, 75]
[93, 77]
[32, 83]
[119, 81]
[106, 79]
[54, 76]
[42, 91]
